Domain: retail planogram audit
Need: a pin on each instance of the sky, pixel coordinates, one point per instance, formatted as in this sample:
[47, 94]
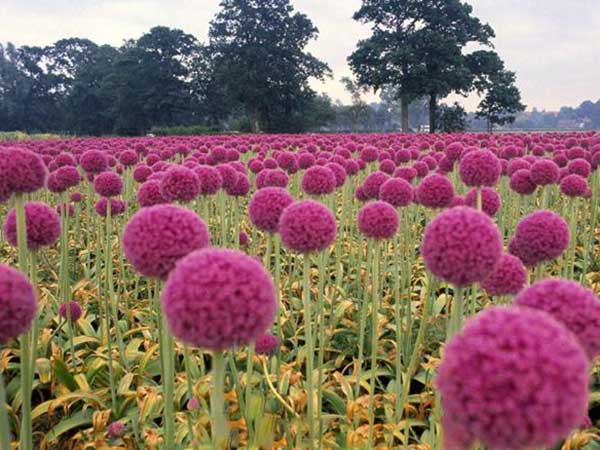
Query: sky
[552, 45]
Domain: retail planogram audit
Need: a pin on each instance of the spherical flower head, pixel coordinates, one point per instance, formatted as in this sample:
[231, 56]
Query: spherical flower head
[521, 182]
[93, 161]
[461, 246]
[544, 172]
[406, 173]
[42, 223]
[116, 430]
[108, 184]
[54, 184]
[574, 186]
[480, 168]
[244, 239]
[266, 206]
[18, 304]
[219, 298]
[193, 404]
[359, 194]
[307, 226]
[490, 200]
[128, 158]
[141, 173]
[65, 159]
[435, 191]
[378, 220]
[541, 236]
[339, 173]
[228, 174]
[210, 179]
[240, 188]
[117, 207]
[397, 192]
[306, 160]
[369, 154]
[267, 344]
[513, 379]
[575, 153]
[454, 151]
[255, 165]
[517, 164]
[373, 183]
[571, 304]
[157, 237]
[23, 170]
[387, 166]
[352, 167]
[180, 184]
[580, 167]
[68, 209]
[272, 177]
[149, 194]
[508, 278]
[73, 309]
[421, 168]
[318, 180]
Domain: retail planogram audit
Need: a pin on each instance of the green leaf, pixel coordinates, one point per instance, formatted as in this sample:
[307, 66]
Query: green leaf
[62, 374]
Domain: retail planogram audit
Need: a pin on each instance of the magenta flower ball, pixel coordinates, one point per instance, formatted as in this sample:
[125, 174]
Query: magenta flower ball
[68, 209]
[580, 167]
[180, 184]
[490, 200]
[406, 173]
[373, 183]
[522, 183]
[23, 171]
[272, 177]
[517, 164]
[116, 430]
[480, 168]
[544, 172]
[307, 226]
[149, 194]
[67, 176]
[574, 186]
[108, 184]
[378, 220]
[462, 246]
[513, 379]
[141, 173]
[240, 188]
[397, 192]
[93, 161]
[117, 207]
[568, 302]
[210, 179]
[65, 159]
[318, 180]
[508, 278]
[267, 344]
[18, 304]
[369, 154]
[339, 173]
[128, 158]
[540, 236]
[157, 237]
[219, 298]
[266, 206]
[74, 309]
[435, 191]
[42, 223]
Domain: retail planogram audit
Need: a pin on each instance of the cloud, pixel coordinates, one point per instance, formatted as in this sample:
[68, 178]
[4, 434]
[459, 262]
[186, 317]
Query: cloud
[552, 45]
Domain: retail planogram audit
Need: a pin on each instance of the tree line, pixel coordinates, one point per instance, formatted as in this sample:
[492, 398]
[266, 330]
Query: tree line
[253, 73]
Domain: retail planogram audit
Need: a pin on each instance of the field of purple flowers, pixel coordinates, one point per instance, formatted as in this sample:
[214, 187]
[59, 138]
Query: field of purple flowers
[385, 291]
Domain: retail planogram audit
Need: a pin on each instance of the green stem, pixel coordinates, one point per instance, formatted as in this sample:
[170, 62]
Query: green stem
[107, 257]
[168, 382]
[374, 337]
[220, 433]
[309, 351]
[363, 320]
[4, 424]
[248, 393]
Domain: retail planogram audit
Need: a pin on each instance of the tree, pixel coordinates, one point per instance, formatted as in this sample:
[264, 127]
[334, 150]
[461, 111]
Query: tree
[502, 100]
[260, 59]
[358, 110]
[417, 46]
[453, 118]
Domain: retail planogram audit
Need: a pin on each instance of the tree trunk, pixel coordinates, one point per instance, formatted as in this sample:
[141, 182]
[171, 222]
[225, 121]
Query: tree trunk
[255, 123]
[404, 111]
[432, 113]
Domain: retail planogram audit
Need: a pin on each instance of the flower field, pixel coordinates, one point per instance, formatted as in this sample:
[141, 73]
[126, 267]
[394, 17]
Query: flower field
[380, 291]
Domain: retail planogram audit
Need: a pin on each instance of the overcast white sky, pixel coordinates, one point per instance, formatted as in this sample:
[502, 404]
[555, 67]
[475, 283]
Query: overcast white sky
[553, 45]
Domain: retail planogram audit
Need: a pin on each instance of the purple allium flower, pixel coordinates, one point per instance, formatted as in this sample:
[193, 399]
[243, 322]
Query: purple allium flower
[156, 237]
[521, 182]
[378, 220]
[373, 183]
[571, 304]
[480, 168]
[128, 158]
[397, 192]
[141, 173]
[267, 344]
[67, 177]
[387, 166]
[117, 207]
[76, 197]
[406, 173]
[243, 238]
[93, 161]
[180, 184]
[307, 226]
[462, 246]
[369, 154]
[229, 175]
[458, 200]
[149, 194]
[513, 379]
[540, 236]
[435, 191]
[210, 179]
[490, 200]
[74, 309]
[339, 173]
[454, 151]
[68, 209]
[266, 206]
[318, 180]
[219, 298]
[544, 172]
[576, 153]
[23, 171]
[580, 167]
[272, 177]
[421, 168]
[65, 159]
[574, 186]
[240, 188]
[18, 304]
[54, 185]
[116, 430]
[517, 164]
[108, 184]
[42, 223]
[359, 194]
[193, 404]
[306, 160]
[508, 278]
